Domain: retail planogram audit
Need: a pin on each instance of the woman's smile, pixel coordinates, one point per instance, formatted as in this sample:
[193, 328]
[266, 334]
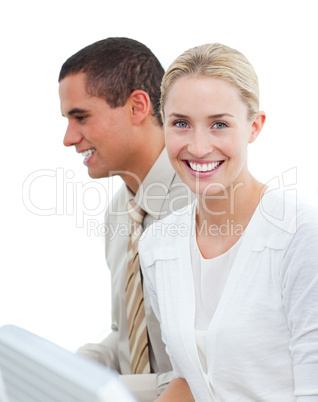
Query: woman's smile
[202, 169]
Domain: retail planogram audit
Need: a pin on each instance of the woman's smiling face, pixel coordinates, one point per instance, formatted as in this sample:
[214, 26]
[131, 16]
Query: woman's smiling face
[207, 131]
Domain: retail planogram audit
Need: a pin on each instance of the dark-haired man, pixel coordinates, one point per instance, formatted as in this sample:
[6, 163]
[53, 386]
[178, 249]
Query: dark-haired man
[109, 92]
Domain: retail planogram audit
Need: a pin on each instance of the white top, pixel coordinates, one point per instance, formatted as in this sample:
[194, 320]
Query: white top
[262, 342]
[209, 277]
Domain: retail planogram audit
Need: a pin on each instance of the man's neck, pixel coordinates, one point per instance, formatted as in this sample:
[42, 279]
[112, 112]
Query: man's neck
[135, 178]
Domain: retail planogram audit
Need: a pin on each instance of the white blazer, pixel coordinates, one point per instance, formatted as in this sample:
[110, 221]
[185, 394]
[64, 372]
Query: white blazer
[262, 343]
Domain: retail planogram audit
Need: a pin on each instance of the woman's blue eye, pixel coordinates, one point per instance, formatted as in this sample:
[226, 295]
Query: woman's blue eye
[181, 124]
[219, 124]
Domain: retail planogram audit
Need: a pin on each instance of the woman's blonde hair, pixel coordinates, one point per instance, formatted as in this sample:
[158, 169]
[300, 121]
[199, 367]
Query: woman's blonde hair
[215, 61]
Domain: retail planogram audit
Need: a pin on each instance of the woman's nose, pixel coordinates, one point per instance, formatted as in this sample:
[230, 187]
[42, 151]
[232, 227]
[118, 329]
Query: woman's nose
[200, 144]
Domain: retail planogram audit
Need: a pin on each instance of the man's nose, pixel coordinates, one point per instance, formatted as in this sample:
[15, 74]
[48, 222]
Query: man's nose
[72, 136]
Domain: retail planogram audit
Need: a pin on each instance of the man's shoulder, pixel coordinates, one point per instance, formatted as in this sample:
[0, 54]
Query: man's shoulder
[118, 204]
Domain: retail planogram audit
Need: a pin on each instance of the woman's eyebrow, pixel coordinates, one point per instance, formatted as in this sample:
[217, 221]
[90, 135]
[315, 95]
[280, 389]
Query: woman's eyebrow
[178, 115]
[212, 116]
[220, 115]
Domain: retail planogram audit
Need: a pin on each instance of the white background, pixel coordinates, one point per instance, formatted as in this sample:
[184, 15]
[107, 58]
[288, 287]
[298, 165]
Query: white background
[53, 276]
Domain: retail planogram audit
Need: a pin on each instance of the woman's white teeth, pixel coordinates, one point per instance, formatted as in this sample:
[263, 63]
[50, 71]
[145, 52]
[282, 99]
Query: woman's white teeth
[205, 167]
[88, 153]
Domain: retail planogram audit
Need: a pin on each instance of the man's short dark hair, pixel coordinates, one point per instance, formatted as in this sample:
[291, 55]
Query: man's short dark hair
[114, 68]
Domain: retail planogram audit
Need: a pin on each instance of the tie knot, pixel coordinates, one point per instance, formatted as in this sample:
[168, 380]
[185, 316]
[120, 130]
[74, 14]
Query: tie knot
[135, 212]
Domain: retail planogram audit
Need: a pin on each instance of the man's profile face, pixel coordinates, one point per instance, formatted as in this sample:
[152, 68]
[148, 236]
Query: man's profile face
[97, 131]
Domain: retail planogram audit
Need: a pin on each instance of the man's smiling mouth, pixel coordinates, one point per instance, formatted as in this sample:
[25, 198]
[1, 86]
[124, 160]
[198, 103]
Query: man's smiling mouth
[87, 154]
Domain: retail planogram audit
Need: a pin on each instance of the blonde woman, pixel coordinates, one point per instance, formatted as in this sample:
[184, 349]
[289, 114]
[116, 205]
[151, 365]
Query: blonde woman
[233, 278]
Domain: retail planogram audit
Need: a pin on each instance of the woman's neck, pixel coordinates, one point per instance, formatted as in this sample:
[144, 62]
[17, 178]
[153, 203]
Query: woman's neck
[223, 217]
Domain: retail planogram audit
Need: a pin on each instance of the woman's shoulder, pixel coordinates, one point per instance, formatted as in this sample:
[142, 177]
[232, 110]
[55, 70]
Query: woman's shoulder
[306, 222]
[287, 211]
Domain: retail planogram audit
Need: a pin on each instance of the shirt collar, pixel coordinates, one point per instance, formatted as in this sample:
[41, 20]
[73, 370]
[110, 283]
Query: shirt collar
[153, 191]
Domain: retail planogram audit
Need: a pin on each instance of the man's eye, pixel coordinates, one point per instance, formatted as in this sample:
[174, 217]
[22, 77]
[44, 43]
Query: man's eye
[181, 124]
[219, 124]
[80, 118]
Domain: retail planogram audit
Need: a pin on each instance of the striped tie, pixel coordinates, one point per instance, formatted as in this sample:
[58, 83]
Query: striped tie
[138, 340]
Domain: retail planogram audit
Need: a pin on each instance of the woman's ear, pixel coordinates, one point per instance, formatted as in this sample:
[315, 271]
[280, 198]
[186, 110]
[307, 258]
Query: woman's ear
[257, 126]
[140, 106]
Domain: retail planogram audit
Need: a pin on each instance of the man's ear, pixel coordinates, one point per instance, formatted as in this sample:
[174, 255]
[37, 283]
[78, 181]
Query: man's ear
[140, 106]
[257, 126]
